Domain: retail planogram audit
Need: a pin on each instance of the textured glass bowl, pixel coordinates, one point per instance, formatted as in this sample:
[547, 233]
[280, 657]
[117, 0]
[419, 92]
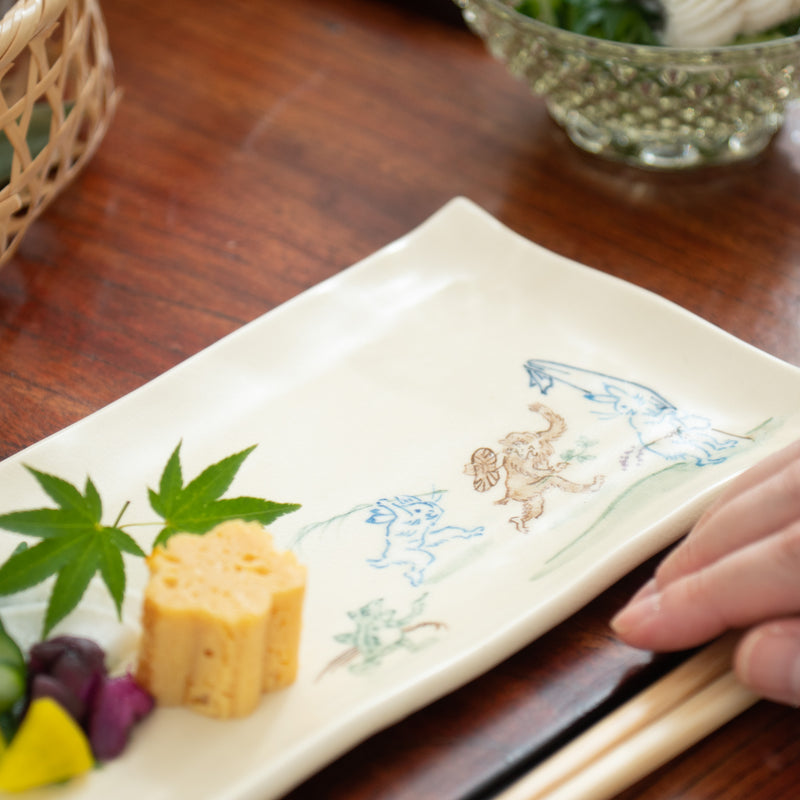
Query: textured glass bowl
[657, 107]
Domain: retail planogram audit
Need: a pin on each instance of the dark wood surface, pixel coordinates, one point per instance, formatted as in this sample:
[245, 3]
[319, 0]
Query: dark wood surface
[262, 146]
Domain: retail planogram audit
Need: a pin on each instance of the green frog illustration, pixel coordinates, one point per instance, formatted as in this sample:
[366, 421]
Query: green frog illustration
[379, 632]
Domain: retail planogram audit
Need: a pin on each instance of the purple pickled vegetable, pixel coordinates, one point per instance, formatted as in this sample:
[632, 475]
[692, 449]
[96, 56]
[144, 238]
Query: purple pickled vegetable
[74, 668]
[119, 704]
[47, 686]
[72, 671]
[44, 655]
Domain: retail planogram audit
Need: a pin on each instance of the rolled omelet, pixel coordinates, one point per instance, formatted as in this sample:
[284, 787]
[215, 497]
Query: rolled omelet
[221, 620]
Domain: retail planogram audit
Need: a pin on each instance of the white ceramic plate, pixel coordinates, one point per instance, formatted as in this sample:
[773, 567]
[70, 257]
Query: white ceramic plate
[404, 403]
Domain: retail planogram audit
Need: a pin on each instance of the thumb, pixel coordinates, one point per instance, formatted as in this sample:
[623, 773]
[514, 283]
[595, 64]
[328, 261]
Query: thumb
[767, 661]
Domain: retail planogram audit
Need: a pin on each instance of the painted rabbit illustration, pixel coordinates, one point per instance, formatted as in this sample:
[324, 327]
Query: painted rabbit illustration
[412, 531]
[660, 427]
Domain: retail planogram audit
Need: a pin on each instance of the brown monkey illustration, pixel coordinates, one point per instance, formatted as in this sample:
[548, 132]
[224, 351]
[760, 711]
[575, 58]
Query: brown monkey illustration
[527, 458]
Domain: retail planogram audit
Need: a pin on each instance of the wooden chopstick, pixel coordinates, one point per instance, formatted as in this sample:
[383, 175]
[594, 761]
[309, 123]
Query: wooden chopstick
[658, 724]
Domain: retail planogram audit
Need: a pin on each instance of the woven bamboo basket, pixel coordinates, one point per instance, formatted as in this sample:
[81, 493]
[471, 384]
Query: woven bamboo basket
[57, 97]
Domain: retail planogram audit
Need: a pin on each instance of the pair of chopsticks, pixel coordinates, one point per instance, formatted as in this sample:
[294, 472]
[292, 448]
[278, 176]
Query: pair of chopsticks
[649, 730]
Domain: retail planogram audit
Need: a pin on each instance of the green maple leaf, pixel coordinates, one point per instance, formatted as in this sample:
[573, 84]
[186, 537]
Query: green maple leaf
[198, 506]
[75, 547]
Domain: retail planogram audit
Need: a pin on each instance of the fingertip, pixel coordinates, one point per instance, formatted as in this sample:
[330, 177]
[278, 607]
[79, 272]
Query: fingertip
[767, 661]
[647, 590]
[630, 622]
[681, 614]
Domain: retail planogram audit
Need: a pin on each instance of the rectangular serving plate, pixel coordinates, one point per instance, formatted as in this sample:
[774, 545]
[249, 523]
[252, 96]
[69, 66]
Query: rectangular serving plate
[483, 436]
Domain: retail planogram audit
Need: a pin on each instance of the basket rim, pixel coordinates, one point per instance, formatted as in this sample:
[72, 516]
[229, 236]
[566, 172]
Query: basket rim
[24, 20]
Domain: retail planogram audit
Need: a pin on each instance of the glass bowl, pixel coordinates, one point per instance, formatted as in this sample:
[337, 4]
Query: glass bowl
[651, 106]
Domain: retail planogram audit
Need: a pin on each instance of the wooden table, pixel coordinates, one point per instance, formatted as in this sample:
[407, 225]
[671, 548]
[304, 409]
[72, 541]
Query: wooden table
[262, 146]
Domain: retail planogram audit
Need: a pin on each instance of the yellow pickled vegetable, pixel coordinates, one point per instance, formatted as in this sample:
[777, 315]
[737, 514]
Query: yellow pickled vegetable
[49, 747]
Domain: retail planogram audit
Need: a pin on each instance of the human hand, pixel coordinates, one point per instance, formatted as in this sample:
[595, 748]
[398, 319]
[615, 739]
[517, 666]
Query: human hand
[738, 569]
